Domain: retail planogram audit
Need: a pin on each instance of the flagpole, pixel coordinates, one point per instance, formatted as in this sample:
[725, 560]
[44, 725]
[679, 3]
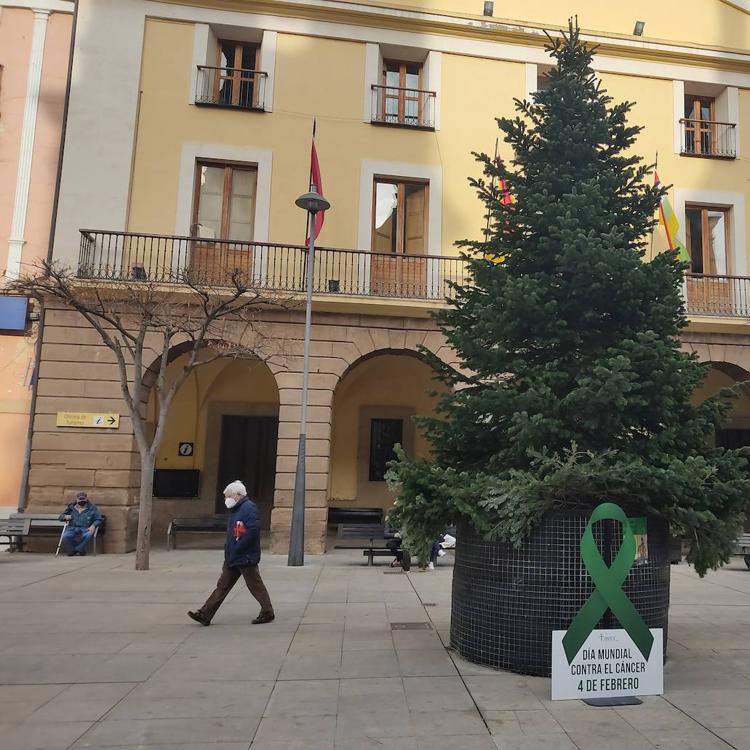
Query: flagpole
[313, 203]
[492, 185]
[653, 229]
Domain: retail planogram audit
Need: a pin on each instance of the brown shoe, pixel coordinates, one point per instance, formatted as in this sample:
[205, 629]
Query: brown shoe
[264, 617]
[198, 617]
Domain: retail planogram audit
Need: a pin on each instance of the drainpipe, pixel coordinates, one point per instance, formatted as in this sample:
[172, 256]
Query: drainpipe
[24, 489]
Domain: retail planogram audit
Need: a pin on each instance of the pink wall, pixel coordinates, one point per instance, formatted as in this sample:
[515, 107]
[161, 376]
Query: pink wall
[17, 352]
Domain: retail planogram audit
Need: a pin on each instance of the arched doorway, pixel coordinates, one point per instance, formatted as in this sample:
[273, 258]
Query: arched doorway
[222, 426]
[373, 408]
[736, 432]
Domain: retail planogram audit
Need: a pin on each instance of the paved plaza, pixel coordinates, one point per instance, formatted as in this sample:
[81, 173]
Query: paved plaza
[95, 655]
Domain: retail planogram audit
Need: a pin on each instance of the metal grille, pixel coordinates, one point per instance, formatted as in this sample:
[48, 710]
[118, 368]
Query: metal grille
[717, 140]
[130, 256]
[404, 107]
[506, 601]
[230, 87]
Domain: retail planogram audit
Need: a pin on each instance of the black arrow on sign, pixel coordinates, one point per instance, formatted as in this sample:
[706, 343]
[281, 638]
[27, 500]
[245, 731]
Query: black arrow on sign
[111, 420]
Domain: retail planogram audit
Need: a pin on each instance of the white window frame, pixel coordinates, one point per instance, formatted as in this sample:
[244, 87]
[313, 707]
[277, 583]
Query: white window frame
[432, 76]
[204, 53]
[728, 110]
[400, 170]
[261, 158]
[735, 202]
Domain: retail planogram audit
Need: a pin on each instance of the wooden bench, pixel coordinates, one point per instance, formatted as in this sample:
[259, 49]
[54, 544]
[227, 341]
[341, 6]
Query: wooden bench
[372, 532]
[742, 547]
[373, 552]
[14, 529]
[339, 515]
[195, 525]
[49, 524]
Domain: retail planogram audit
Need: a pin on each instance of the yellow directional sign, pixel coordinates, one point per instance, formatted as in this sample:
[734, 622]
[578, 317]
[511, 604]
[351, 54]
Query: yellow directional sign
[87, 419]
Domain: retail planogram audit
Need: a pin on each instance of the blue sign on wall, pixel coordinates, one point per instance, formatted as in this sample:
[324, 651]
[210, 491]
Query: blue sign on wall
[13, 313]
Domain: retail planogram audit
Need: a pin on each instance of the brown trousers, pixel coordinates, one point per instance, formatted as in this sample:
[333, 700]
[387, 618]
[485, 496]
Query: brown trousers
[227, 579]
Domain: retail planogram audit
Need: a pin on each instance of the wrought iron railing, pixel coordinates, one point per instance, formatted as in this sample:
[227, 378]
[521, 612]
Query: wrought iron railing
[167, 259]
[707, 138]
[128, 256]
[720, 296]
[413, 108]
[230, 87]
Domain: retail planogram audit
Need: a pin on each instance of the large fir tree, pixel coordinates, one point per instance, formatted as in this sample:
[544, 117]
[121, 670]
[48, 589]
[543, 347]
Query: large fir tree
[578, 390]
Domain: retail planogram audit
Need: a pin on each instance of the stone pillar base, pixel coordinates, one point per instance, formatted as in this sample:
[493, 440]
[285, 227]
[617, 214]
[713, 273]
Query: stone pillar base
[315, 530]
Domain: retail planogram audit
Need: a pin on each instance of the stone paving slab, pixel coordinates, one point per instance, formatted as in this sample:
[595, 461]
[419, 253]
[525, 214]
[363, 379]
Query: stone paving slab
[94, 655]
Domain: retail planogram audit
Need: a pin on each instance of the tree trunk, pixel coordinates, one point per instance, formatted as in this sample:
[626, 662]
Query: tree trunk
[145, 507]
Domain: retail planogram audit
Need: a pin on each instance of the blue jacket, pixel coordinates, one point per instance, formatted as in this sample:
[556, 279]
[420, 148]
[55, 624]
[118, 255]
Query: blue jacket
[90, 516]
[242, 547]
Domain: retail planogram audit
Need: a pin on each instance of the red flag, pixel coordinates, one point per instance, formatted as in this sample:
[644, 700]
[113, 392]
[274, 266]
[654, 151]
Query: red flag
[316, 184]
[506, 198]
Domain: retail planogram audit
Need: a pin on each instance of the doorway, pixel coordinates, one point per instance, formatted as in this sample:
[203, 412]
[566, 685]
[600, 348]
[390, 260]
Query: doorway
[248, 452]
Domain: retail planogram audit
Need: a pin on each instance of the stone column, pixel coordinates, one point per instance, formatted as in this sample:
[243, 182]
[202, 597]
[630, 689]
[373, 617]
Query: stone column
[317, 458]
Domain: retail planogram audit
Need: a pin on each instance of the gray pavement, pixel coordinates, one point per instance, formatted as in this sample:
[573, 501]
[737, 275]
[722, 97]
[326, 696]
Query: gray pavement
[94, 655]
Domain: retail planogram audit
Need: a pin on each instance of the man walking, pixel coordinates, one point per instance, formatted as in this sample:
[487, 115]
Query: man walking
[83, 520]
[241, 557]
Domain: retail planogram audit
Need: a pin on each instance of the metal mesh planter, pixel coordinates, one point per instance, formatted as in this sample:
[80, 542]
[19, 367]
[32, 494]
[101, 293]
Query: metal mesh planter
[507, 602]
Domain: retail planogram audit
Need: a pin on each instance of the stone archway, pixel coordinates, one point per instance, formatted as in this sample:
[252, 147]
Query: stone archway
[337, 345]
[227, 413]
[373, 407]
[726, 375]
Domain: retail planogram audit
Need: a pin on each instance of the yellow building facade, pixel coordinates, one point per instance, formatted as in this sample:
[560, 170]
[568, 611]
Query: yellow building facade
[188, 141]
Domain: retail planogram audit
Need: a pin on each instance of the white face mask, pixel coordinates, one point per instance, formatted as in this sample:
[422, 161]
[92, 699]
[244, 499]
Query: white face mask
[230, 502]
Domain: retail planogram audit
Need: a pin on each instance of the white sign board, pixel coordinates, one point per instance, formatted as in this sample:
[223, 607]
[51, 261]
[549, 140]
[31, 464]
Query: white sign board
[609, 665]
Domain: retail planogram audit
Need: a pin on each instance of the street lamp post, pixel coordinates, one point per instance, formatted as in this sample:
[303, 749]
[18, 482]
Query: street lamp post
[311, 202]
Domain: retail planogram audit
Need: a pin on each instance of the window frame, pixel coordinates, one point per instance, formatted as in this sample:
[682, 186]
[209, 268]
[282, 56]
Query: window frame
[402, 96]
[696, 127]
[237, 78]
[706, 237]
[371, 475]
[230, 167]
[400, 235]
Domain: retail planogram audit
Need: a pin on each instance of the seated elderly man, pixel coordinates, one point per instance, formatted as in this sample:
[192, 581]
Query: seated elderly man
[83, 520]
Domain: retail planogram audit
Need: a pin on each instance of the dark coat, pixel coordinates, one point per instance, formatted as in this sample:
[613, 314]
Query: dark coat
[89, 516]
[242, 547]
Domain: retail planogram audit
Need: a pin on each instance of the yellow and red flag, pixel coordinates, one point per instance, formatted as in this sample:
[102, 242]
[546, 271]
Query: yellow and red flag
[671, 225]
[506, 199]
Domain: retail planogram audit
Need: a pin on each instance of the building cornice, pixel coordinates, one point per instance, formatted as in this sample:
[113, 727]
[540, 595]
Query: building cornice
[52, 6]
[416, 21]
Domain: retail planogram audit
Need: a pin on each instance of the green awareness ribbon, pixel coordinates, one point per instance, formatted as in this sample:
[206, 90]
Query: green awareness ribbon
[608, 593]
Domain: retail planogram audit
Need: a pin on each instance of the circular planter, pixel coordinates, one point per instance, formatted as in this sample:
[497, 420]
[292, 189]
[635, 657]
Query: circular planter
[507, 601]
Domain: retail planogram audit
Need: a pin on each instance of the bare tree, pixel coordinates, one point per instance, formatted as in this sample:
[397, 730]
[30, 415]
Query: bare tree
[142, 322]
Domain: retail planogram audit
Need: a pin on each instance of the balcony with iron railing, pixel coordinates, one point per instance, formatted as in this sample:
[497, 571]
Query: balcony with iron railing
[165, 259]
[178, 260]
[715, 140]
[717, 296]
[402, 107]
[235, 88]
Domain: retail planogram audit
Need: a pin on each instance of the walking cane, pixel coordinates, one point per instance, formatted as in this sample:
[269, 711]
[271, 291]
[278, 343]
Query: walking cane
[62, 533]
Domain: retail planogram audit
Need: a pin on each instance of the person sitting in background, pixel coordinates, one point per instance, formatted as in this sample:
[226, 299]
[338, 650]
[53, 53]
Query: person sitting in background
[83, 519]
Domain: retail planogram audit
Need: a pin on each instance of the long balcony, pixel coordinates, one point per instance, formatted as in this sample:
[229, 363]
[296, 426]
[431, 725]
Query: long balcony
[165, 259]
[402, 107]
[714, 140]
[235, 88]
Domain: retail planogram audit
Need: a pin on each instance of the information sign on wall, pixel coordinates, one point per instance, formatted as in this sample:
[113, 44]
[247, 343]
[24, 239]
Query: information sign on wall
[87, 419]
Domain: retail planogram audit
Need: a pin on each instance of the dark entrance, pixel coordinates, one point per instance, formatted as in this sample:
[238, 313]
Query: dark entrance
[248, 453]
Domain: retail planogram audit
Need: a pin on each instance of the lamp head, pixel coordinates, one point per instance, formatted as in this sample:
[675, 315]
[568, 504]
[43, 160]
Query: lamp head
[313, 202]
